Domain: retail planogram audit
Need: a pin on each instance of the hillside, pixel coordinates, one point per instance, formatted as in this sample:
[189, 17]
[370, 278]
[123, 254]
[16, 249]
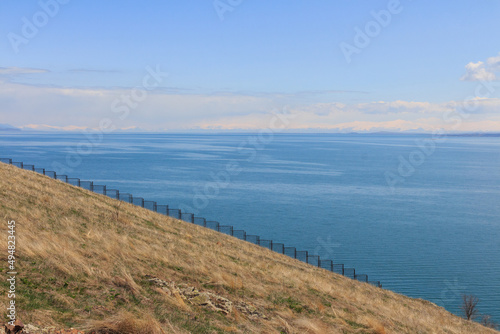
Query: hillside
[90, 262]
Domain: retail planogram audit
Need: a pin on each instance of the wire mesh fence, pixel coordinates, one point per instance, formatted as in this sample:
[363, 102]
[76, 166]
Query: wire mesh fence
[254, 239]
[266, 244]
[174, 213]
[163, 209]
[100, 189]
[113, 193]
[50, 174]
[292, 252]
[338, 268]
[240, 234]
[40, 170]
[226, 229]
[375, 283]
[362, 278]
[74, 181]
[212, 225]
[88, 185]
[326, 264]
[139, 201]
[278, 248]
[187, 217]
[301, 255]
[63, 178]
[314, 260]
[150, 205]
[125, 197]
[350, 272]
[200, 221]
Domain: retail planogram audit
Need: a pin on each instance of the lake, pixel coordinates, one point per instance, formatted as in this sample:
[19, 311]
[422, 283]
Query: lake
[419, 213]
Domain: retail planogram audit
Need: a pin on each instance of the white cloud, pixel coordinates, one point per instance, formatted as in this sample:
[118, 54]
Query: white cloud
[74, 109]
[411, 116]
[62, 107]
[482, 71]
[383, 107]
[494, 63]
[45, 127]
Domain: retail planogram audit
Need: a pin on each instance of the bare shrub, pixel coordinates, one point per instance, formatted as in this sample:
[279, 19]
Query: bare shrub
[469, 306]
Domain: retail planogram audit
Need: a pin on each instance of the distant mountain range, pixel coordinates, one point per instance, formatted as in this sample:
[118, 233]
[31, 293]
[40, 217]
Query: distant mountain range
[477, 134]
[8, 127]
[72, 128]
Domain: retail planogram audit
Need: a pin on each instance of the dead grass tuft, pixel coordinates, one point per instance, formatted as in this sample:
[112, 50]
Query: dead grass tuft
[126, 323]
[376, 326]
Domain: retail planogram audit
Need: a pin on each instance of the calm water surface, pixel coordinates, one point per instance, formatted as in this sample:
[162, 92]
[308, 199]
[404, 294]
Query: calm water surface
[433, 235]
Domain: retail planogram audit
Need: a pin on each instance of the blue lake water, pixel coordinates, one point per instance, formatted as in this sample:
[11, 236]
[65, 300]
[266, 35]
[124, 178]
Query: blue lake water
[430, 230]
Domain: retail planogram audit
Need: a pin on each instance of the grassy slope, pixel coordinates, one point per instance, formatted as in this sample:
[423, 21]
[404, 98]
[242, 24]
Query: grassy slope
[82, 257]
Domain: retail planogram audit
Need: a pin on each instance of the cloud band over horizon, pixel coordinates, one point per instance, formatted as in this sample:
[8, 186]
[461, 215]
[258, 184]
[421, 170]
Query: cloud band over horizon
[73, 109]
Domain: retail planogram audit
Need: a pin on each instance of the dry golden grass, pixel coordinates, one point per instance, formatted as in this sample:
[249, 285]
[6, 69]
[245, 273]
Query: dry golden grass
[126, 323]
[82, 265]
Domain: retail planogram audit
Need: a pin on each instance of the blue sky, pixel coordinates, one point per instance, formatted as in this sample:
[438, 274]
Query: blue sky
[421, 63]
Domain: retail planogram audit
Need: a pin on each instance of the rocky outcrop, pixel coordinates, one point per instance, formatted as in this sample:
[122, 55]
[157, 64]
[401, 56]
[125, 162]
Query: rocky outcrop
[30, 329]
[206, 298]
[14, 328]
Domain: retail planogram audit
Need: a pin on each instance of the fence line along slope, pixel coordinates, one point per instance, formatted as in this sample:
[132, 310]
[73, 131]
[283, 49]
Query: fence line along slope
[91, 262]
[304, 256]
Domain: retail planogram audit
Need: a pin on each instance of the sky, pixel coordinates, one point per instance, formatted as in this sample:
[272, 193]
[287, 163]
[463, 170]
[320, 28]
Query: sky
[340, 66]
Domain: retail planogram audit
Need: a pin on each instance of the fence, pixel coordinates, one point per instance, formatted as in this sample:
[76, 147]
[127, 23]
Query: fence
[292, 252]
